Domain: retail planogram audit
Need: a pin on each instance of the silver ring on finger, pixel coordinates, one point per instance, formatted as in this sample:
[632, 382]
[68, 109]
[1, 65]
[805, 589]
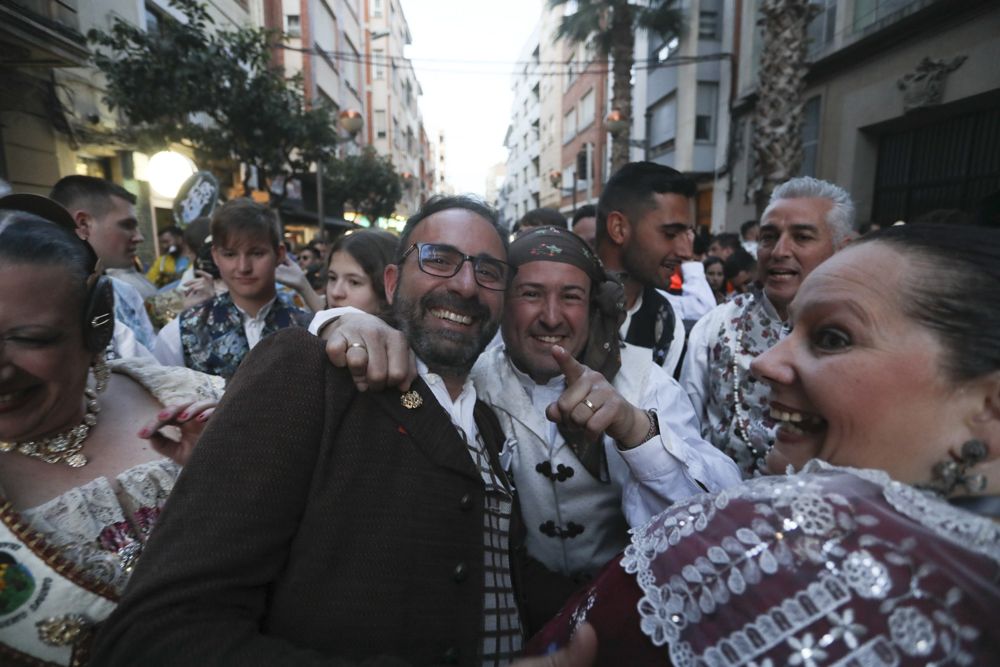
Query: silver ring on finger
[590, 405]
[357, 345]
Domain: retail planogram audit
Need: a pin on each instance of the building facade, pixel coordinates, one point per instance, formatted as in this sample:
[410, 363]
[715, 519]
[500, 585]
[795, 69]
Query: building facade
[522, 182]
[902, 106]
[394, 120]
[680, 95]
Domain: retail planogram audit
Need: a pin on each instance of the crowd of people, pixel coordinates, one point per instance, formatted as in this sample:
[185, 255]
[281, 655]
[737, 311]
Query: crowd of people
[607, 440]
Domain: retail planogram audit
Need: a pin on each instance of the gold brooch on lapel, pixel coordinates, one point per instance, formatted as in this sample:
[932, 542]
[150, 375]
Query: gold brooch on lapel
[411, 400]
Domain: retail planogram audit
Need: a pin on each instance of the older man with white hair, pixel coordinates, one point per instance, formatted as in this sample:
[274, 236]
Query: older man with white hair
[806, 221]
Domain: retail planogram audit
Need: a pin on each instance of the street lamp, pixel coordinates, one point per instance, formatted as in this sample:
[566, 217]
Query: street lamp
[167, 171]
[351, 121]
[617, 124]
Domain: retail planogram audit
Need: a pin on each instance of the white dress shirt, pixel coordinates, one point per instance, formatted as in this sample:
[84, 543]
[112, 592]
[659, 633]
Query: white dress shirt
[696, 297]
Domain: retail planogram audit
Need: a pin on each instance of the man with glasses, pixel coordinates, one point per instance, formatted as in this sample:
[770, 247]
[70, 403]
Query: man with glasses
[314, 521]
[600, 438]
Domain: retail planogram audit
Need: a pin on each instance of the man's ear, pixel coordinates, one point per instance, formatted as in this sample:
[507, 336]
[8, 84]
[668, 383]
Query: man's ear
[619, 229]
[390, 276]
[282, 253]
[82, 220]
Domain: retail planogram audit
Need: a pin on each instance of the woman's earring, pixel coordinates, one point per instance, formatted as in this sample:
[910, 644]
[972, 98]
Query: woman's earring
[101, 373]
[949, 475]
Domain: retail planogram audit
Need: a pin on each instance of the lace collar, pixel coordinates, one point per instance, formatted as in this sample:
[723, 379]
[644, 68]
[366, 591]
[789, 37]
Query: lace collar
[962, 527]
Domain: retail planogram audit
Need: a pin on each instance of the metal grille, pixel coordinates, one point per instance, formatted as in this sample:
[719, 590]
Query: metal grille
[949, 164]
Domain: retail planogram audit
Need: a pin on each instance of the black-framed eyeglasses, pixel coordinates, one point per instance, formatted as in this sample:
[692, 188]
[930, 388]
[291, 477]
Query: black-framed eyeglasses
[444, 261]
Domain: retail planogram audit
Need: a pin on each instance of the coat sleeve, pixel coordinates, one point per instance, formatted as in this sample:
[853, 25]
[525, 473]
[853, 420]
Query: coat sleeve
[200, 591]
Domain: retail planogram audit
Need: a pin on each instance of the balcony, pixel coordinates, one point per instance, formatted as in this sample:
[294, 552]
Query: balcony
[41, 33]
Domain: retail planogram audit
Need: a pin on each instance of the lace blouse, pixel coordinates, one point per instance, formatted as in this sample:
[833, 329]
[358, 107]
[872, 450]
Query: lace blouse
[99, 530]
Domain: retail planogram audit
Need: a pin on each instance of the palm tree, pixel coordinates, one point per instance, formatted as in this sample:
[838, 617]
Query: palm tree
[610, 25]
[776, 138]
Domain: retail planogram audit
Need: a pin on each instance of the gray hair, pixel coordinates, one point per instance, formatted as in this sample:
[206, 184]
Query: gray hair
[840, 219]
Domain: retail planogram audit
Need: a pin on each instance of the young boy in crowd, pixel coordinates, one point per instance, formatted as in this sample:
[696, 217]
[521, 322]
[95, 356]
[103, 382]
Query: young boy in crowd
[213, 337]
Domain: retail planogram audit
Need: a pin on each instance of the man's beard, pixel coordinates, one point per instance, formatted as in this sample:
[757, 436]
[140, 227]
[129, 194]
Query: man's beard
[446, 352]
[638, 270]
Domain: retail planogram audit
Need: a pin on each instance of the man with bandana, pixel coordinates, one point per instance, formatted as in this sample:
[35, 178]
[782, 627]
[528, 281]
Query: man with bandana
[599, 437]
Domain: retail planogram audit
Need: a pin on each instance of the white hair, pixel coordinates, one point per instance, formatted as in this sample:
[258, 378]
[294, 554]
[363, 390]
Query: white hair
[840, 219]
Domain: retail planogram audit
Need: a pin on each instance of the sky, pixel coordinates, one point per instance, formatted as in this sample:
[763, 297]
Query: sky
[464, 52]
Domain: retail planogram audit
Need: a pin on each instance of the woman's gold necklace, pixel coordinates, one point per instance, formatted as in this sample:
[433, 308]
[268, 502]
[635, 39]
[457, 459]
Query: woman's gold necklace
[65, 447]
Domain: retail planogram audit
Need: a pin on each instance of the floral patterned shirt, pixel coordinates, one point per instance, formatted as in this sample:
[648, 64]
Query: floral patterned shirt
[729, 400]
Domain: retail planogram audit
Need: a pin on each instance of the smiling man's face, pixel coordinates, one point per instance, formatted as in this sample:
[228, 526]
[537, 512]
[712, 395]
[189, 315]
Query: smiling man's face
[447, 321]
[794, 239]
[548, 304]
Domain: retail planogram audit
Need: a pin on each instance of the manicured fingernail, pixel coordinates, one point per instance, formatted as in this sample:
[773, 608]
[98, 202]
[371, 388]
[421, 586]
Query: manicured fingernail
[163, 414]
[203, 417]
[144, 433]
[183, 415]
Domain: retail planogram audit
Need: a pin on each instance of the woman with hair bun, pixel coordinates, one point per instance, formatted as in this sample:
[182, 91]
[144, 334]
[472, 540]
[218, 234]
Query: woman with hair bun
[884, 549]
[80, 490]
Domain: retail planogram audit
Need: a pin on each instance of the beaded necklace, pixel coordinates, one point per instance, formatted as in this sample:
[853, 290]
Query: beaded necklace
[63, 447]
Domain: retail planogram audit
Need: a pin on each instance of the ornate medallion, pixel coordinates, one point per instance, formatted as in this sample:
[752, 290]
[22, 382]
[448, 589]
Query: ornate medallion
[411, 400]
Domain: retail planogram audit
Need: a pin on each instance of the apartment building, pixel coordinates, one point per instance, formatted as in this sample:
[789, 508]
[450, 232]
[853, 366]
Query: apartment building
[53, 118]
[325, 42]
[392, 111]
[902, 105]
[583, 163]
[522, 182]
[679, 97]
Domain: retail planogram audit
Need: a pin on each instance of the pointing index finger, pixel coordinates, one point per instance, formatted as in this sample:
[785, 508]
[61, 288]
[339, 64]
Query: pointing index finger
[570, 367]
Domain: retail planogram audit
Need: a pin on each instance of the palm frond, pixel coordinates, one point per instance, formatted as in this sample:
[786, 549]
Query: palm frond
[585, 24]
[663, 17]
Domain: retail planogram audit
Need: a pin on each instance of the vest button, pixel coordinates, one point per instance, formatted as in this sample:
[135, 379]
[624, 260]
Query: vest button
[465, 504]
[460, 573]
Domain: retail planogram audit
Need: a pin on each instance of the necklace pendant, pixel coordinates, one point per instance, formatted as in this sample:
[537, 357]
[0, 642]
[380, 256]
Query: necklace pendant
[76, 460]
[7, 446]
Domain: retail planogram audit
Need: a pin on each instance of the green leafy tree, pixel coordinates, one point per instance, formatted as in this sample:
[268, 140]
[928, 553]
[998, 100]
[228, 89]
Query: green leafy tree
[214, 90]
[610, 26]
[367, 181]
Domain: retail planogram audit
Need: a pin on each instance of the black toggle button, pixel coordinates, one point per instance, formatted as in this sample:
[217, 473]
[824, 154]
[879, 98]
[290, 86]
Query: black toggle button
[460, 573]
[450, 656]
[465, 504]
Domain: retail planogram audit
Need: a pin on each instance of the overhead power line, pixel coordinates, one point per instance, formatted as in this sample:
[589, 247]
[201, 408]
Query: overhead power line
[511, 68]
